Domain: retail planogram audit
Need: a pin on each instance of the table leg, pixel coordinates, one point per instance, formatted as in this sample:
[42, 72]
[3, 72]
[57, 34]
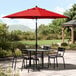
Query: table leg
[30, 58]
[42, 59]
[36, 60]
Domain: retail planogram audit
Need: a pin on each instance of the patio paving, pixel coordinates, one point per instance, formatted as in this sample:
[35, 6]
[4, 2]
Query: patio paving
[70, 70]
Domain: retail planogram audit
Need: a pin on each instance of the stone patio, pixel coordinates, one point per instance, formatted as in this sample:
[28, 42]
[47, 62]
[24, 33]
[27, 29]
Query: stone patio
[70, 70]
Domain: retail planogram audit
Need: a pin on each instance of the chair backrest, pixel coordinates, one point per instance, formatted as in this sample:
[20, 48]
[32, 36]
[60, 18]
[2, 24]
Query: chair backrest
[61, 51]
[46, 47]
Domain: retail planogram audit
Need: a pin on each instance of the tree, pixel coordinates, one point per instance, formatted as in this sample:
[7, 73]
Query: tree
[55, 27]
[43, 31]
[71, 13]
[4, 38]
[3, 32]
[16, 35]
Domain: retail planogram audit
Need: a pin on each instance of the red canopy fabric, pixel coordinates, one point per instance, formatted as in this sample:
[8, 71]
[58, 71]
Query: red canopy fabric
[34, 13]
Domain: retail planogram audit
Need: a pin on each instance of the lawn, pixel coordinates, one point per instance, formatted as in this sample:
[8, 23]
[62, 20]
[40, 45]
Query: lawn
[41, 42]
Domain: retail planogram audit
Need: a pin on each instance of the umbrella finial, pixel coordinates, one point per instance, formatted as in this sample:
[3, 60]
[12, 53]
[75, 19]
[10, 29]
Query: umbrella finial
[36, 6]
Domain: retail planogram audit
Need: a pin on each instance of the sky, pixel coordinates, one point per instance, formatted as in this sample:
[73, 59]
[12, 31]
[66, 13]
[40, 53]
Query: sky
[11, 6]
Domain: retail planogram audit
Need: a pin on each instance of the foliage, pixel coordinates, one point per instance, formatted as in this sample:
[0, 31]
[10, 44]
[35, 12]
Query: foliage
[54, 45]
[19, 35]
[2, 53]
[5, 45]
[71, 13]
[43, 32]
[5, 53]
[16, 44]
[3, 35]
[8, 72]
[18, 52]
[55, 27]
[17, 47]
[9, 53]
[64, 44]
[43, 29]
[72, 46]
[15, 35]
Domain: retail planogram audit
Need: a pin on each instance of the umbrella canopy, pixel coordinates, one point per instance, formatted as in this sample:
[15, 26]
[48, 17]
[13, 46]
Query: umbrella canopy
[34, 13]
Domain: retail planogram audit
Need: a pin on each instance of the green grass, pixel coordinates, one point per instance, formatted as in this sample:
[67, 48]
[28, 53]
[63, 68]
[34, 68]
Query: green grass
[41, 42]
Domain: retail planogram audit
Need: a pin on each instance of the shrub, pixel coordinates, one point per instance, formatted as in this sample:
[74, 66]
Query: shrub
[19, 45]
[72, 46]
[54, 45]
[5, 45]
[13, 45]
[2, 53]
[64, 44]
[18, 52]
[9, 53]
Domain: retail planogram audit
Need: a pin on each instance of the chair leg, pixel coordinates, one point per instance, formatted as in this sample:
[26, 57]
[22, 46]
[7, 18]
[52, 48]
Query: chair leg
[23, 64]
[64, 62]
[56, 61]
[26, 63]
[15, 63]
[33, 64]
[49, 62]
[12, 62]
[38, 61]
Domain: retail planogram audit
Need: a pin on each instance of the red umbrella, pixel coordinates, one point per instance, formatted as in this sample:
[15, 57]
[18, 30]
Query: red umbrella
[35, 13]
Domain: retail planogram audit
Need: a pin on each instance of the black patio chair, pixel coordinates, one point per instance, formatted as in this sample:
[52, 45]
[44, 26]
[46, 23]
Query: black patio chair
[59, 54]
[26, 57]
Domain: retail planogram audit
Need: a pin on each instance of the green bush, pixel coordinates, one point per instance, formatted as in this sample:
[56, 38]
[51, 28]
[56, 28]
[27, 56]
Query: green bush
[2, 53]
[19, 45]
[64, 44]
[13, 45]
[54, 45]
[18, 52]
[72, 46]
[5, 45]
[9, 53]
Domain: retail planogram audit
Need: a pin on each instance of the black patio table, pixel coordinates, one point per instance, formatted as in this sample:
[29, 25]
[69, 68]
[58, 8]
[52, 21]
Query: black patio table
[42, 55]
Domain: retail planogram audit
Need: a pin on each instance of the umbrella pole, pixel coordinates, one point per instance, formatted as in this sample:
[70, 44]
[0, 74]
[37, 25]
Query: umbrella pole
[36, 43]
